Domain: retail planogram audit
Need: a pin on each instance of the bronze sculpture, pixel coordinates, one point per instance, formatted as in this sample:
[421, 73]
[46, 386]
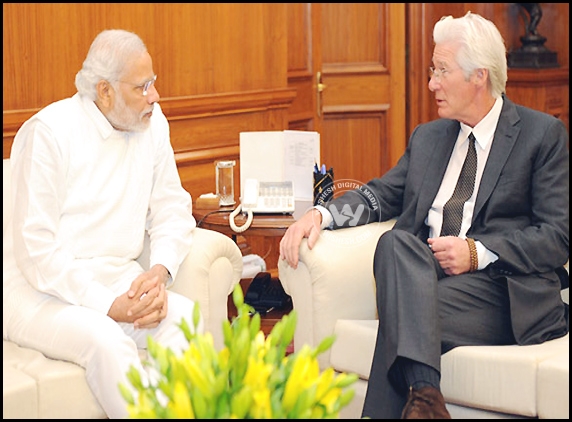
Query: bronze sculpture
[533, 53]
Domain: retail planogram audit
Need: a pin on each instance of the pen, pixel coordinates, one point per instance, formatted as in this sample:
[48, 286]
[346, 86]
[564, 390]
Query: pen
[323, 169]
[316, 170]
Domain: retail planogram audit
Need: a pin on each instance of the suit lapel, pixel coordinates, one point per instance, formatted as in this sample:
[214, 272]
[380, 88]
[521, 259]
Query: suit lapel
[504, 139]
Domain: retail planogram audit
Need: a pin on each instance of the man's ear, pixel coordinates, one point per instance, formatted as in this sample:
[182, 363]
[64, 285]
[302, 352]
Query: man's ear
[105, 93]
[482, 75]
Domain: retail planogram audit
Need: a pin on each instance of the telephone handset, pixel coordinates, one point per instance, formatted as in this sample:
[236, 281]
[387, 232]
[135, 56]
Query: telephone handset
[263, 197]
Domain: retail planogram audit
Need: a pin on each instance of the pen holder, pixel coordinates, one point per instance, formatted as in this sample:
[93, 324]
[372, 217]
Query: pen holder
[323, 187]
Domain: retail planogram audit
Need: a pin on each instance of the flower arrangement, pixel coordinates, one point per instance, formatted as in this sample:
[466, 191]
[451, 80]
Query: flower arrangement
[250, 378]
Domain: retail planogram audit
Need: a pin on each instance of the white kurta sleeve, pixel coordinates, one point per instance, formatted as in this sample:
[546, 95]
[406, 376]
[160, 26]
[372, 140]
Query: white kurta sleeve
[170, 221]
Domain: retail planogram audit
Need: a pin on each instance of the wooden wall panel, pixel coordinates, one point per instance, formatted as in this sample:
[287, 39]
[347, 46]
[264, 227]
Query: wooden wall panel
[302, 65]
[299, 37]
[301, 114]
[197, 48]
[544, 89]
[362, 155]
[222, 68]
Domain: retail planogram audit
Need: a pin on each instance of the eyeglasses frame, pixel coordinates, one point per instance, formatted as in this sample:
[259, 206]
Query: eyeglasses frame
[145, 85]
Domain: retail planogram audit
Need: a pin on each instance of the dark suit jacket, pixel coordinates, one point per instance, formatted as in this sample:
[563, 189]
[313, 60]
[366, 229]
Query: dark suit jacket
[521, 211]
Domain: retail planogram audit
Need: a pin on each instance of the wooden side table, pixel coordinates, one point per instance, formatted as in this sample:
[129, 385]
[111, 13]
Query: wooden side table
[264, 225]
[269, 227]
[264, 234]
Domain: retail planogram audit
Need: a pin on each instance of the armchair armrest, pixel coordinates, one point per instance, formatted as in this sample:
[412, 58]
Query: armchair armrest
[333, 281]
[208, 275]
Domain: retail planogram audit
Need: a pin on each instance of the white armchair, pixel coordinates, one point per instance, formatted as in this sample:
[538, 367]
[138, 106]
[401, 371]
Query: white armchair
[37, 387]
[333, 292]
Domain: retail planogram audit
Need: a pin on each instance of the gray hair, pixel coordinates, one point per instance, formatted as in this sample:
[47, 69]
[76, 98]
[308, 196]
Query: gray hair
[106, 59]
[482, 46]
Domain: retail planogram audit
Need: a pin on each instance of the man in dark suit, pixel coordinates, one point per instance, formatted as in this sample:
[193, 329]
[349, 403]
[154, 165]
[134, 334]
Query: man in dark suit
[494, 278]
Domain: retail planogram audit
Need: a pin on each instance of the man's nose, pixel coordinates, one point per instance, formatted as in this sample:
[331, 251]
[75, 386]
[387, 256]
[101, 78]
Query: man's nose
[433, 84]
[152, 94]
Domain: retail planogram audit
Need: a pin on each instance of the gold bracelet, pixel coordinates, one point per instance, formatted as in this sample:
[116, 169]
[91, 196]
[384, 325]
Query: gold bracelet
[473, 254]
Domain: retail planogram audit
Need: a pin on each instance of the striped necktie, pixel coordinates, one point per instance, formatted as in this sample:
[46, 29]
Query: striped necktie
[453, 209]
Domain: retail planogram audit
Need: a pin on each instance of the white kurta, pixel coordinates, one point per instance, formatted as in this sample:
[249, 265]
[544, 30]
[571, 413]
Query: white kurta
[83, 196]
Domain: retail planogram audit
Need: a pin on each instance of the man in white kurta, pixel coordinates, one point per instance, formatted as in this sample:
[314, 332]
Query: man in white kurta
[89, 179]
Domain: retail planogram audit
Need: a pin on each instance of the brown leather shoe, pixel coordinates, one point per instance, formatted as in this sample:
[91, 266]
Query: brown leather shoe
[425, 403]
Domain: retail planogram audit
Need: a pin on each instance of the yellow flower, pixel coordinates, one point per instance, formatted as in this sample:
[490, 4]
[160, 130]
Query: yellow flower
[260, 345]
[260, 408]
[304, 373]
[330, 399]
[325, 383]
[257, 374]
[181, 403]
[197, 377]
[251, 377]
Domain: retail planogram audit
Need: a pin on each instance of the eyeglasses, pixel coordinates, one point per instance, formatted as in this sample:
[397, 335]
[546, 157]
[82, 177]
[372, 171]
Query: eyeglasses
[145, 86]
[438, 74]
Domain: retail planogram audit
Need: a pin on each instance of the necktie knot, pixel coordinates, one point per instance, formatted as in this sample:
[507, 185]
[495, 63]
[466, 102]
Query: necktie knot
[471, 139]
[453, 209]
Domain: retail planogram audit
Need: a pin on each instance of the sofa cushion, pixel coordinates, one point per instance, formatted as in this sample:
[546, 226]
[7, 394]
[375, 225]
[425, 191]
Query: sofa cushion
[61, 390]
[20, 400]
[553, 387]
[497, 378]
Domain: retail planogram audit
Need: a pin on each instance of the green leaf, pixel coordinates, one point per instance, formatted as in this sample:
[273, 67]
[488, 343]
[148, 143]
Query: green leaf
[346, 397]
[196, 316]
[134, 378]
[126, 394]
[237, 296]
[185, 326]
[324, 345]
[254, 325]
[227, 332]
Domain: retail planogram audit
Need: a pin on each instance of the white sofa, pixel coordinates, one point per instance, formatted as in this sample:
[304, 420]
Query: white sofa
[332, 291]
[37, 387]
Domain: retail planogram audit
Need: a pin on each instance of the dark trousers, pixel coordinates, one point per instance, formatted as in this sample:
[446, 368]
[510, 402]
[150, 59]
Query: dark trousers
[424, 313]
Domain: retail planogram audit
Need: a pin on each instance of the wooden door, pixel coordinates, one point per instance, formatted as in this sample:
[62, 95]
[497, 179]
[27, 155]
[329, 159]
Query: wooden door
[304, 65]
[363, 69]
[347, 62]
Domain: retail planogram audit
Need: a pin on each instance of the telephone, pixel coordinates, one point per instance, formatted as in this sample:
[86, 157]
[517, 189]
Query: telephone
[266, 293]
[263, 197]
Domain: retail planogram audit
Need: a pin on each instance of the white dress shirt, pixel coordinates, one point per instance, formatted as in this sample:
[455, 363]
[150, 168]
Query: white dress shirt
[484, 133]
[84, 194]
